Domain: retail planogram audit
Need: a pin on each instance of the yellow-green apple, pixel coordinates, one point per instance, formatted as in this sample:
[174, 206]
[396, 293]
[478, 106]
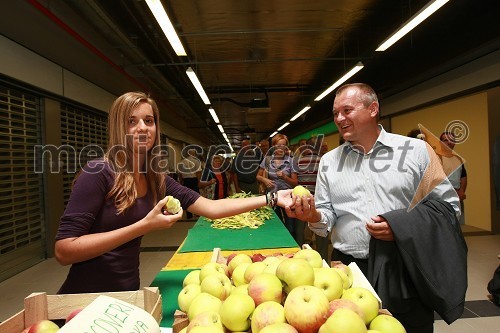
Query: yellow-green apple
[300, 191]
[236, 311]
[192, 277]
[343, 321]
[184, 330]
[267, 313]
[386, 324]
[218, 285]
[236, 260]
[312, 256]
[373, 331]
[306, 308]
[203, 302]
[346, 269]
[173, 205]
[365, 300]
[328, 280]
[211, 268]
[186, 296]
[265, 287]
[294, 272]
[205, 319]
[253, 269]
[344, 304]
[44, 326]
[204, 329]
[279, 328]
[241, 289]
[347, 284]
[271, 267]
[72, 314]
[238, 275]
[271, 259]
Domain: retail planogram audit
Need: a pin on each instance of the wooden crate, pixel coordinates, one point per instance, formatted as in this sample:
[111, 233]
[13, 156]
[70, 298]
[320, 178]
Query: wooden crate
[38, 306]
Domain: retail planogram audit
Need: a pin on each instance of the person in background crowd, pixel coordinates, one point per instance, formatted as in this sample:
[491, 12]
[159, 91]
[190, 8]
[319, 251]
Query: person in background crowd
[216, 175]
[416, 133]
[264, 147]
[357, 184]
[190, 173]
[117, 199]
[455, 170]
[245, 167]
[307, 171]
[279, 172]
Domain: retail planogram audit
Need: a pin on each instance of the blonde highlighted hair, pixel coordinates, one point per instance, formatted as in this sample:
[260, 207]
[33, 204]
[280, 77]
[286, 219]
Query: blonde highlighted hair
[124, 191]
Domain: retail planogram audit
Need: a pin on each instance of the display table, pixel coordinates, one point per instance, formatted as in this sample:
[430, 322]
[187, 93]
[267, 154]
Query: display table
[196, 250]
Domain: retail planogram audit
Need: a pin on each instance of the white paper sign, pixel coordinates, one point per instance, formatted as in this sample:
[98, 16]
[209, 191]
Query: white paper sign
[110, 315]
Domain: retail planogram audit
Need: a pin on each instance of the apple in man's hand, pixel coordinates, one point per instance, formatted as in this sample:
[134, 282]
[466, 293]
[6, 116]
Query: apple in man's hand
[44, 326]
[300, 191]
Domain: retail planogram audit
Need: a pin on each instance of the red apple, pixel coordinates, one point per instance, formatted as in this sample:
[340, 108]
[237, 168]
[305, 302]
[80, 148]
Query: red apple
[72, 314]
[230, 257]
[258, 257]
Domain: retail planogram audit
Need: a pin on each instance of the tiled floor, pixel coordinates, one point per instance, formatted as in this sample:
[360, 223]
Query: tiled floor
[480, 315]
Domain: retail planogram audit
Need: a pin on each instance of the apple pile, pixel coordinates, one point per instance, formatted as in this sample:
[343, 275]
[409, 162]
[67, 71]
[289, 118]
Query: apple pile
[280, 293]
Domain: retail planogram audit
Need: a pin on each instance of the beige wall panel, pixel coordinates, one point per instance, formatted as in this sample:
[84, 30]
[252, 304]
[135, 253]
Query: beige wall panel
[472, 112]
[24, 65]
[78, 89]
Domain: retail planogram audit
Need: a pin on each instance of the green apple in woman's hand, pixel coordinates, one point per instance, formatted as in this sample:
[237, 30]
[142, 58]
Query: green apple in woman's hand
[173, 205]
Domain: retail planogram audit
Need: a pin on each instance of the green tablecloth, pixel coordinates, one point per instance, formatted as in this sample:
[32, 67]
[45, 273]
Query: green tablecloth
[272, 234]
[170, 285]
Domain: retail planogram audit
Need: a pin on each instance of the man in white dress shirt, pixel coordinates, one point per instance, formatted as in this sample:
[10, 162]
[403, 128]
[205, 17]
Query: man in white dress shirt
[372, 173]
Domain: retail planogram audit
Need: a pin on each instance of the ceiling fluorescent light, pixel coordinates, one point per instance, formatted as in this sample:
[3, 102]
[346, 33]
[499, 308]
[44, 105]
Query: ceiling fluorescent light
[220, 128]
[166, 25]
[418, 18]
[344, 78]
[214, 115]
[196, 83]
[301, 112]
[283, 126]
[274, 133]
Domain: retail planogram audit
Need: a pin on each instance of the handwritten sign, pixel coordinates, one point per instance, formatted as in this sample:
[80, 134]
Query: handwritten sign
[110, 315]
